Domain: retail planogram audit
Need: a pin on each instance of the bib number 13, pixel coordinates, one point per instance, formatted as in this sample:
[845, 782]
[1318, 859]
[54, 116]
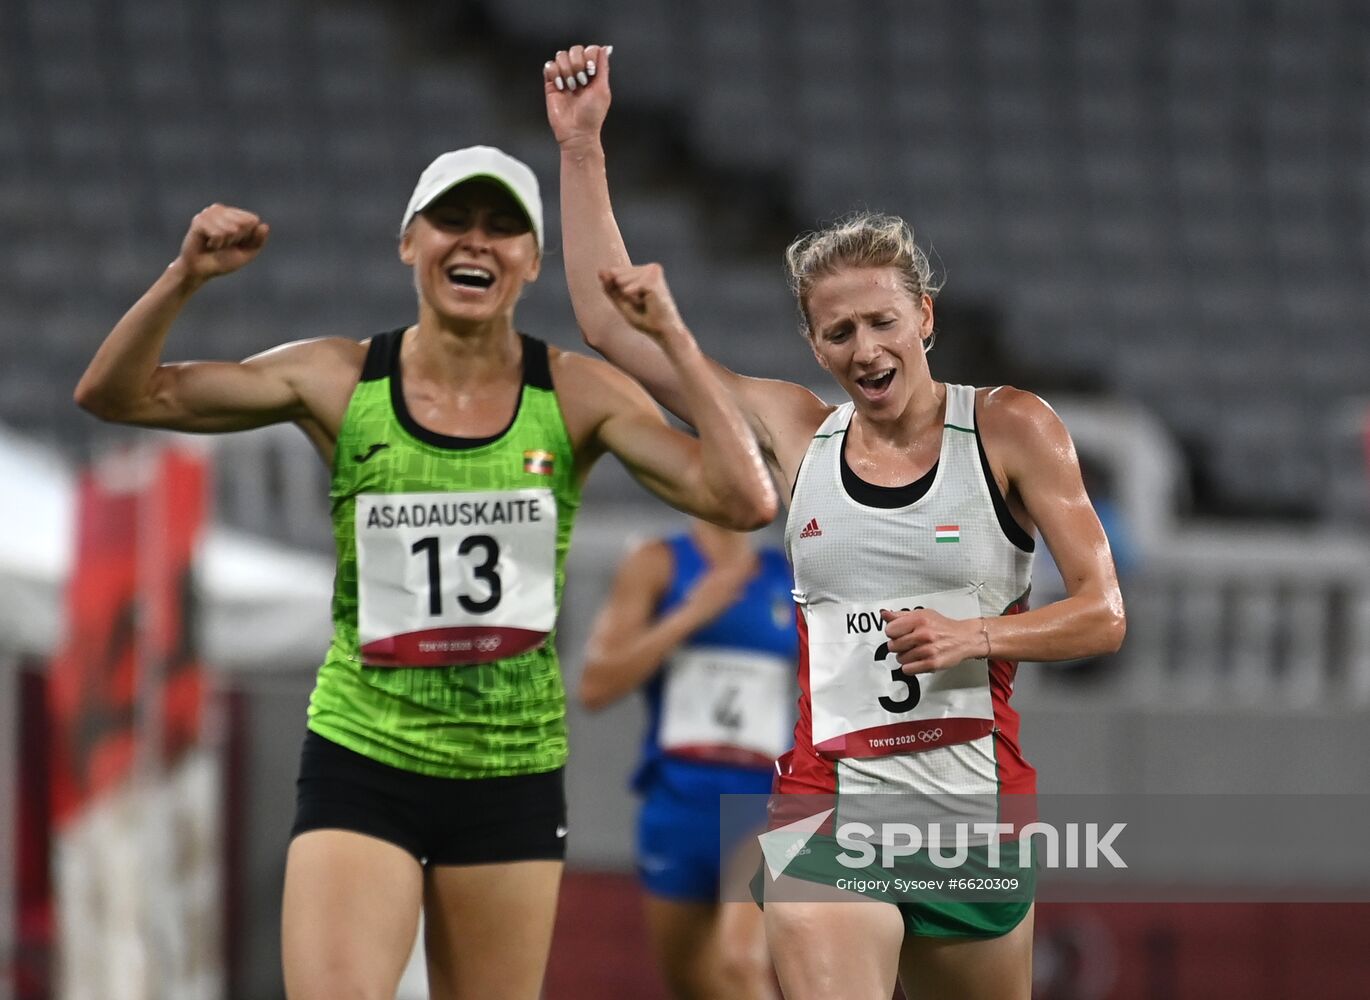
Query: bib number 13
[485, 550]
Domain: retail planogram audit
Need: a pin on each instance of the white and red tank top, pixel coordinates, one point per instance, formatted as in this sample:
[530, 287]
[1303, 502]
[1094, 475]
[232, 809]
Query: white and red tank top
[946, 542]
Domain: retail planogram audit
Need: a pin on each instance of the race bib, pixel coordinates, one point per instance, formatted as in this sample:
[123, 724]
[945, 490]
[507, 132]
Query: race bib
[454, 578]
[727, 706]
[864, 705]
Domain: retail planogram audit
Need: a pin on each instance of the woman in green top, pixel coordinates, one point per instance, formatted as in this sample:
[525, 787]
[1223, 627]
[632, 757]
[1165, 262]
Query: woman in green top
[431, 773]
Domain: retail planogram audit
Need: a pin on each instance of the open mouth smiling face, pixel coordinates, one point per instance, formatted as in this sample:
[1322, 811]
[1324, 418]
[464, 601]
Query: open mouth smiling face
[479, 242]
[470, 277]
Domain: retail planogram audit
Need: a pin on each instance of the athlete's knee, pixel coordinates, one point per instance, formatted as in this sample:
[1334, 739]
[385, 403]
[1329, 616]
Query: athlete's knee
[744, 966]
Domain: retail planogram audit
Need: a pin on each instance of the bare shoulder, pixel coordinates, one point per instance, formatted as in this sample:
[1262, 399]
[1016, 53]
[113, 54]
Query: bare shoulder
[592, 387]
[786, 404]
[1016, 424]
[649, 565]
[330, 356]
[1008, 412]
[319, 368]
[590, 392]
[322, 372]
[570, 367]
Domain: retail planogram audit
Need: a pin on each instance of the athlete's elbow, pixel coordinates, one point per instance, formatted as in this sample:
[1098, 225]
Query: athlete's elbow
[83, 397]
[755, 518]
[1112, 627]
[592, 334]
[741, 516]
[98, 403]
[593, 694]
[750, 509]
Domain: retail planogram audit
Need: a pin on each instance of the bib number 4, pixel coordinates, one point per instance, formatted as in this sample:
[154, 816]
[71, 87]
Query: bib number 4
[726, 706]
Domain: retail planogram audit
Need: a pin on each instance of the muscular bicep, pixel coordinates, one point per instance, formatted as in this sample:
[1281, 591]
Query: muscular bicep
[208, 396]
[287, 383]
[665, 460]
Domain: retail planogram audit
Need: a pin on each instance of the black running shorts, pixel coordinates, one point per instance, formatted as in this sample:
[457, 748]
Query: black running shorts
[441, 821]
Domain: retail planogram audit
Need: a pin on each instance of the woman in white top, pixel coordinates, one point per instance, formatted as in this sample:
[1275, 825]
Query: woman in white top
[967, 475]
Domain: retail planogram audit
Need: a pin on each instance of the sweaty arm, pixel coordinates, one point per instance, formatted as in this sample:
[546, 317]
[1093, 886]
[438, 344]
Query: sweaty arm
[1043, 476]
[593, 244]
[718, 476]
[591, 241]
[1044, 473]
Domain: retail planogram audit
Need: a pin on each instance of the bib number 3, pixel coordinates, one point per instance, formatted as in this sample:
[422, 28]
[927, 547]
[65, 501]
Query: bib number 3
[860, 712]
[915, 691]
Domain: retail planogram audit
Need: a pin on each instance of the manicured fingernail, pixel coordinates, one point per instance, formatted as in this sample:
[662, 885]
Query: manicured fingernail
[590, 67]
[571, 83]
[608, 50]
[584, 80]
[557, 81]
[546, 66]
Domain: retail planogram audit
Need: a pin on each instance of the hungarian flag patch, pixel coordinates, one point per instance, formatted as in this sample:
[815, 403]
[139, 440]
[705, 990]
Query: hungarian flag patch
[948, 532]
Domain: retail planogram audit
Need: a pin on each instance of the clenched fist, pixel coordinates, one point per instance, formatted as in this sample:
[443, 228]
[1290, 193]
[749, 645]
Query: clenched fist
[221, 239]
[575, 83]
[643, 298]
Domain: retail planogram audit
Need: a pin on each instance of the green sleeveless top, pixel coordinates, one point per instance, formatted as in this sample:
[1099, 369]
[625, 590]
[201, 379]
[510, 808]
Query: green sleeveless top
[451, 556]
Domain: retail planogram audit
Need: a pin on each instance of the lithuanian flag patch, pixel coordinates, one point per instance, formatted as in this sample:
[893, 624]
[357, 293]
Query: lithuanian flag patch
[948, 532]
[538, 462]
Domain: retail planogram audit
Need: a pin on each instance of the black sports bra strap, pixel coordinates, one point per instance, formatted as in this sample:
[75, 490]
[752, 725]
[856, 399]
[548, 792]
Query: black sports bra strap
[537, 368]
[380, 355]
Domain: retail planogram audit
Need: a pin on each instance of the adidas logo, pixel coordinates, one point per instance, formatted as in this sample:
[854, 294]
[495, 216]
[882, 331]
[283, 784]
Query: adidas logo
[811, 530]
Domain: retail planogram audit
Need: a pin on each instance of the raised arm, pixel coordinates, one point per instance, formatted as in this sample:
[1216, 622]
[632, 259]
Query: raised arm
[720, 476]
[127, 382]
[628, 641]
[577, 93]
[576, 84]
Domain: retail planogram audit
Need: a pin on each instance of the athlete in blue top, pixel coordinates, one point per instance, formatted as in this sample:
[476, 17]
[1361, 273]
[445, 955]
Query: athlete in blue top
[703, 623]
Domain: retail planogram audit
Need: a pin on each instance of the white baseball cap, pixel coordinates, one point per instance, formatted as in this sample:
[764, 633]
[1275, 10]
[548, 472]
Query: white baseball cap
[461, 165]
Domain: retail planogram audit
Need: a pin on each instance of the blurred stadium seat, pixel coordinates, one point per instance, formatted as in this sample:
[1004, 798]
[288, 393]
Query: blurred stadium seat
[1100, 176]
